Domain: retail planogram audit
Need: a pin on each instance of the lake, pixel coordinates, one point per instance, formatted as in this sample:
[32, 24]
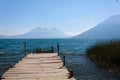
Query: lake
[12, 50]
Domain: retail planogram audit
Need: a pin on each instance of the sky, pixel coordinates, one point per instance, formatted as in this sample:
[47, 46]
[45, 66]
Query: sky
[70, 16]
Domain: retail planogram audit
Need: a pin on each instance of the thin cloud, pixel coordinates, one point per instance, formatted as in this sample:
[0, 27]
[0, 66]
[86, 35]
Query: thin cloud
[117, 1]
[72, 33]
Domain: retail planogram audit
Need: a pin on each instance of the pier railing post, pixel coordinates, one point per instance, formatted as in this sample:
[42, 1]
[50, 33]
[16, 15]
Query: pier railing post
[70, 74]
[52, 49]
[58, 49]
[63, 60]
[2, 78]
[25, 48]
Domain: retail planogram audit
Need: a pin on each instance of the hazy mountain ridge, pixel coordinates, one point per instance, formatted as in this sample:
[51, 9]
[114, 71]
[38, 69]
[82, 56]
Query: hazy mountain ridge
[43, 33]
[108, 29]
[1, 36]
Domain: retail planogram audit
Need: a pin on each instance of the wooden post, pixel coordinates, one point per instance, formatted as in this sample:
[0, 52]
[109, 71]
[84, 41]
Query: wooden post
[58, 51]
[25, 48]
[52, 49]
[63, 60]
[70, 74]
[1, 78]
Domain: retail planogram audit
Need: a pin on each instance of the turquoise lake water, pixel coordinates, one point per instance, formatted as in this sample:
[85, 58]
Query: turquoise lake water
[12, 50]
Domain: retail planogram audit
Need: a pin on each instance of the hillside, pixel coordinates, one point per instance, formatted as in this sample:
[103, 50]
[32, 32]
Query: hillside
[108, 29]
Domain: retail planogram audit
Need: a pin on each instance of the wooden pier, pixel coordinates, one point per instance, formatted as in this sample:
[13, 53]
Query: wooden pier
[46, 66]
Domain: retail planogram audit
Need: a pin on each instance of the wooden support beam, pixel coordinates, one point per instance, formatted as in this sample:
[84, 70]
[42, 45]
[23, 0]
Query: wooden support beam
[70, 74]
[58, 49]
[25, 48]
[63, 60]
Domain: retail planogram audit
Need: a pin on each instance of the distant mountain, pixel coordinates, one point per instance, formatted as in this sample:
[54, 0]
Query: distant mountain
[43, 33]
[108, 29]
[1, 36]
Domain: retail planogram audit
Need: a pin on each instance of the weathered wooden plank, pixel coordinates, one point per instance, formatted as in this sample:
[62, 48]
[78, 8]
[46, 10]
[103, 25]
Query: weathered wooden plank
[38, 67]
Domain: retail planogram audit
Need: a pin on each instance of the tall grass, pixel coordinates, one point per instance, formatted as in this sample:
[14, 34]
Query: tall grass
[106, 55]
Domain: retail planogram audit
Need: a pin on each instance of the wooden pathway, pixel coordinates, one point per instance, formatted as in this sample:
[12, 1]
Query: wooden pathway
[46, 66]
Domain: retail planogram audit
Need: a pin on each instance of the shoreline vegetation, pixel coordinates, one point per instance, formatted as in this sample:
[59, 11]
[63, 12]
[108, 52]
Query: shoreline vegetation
[106, 55]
